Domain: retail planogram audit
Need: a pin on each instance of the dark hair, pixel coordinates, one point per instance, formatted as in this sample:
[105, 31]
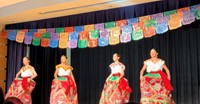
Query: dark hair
[1, 96]
[13, 100]
[118, 55]
[64, 56]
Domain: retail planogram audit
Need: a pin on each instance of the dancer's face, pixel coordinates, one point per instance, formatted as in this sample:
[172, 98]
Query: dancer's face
[63, 59]
[153, 53]
[25, 61]
[115, 57]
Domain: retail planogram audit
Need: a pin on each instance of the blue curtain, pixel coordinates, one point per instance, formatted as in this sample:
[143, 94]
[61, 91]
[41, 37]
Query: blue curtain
[16, 52]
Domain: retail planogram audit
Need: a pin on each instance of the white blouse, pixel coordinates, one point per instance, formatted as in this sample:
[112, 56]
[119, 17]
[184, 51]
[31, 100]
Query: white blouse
[118, 68]
[26, 73]
[63, 72]
[151, 66]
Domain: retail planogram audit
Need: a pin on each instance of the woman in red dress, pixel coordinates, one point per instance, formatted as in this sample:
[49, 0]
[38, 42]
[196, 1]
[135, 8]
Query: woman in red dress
[116, 89]
[155, 85]
[63, 89]
[22, 87]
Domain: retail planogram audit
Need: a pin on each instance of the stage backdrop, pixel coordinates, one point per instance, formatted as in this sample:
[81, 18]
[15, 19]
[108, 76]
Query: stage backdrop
[179, 48]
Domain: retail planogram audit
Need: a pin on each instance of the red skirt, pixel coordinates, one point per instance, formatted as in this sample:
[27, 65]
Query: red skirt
[21, 89]
[115, 93]
[155, 89]
[64, 92]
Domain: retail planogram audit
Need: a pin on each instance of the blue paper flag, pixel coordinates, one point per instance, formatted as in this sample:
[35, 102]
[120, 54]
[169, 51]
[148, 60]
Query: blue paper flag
[126, 29]
[29, 33]
[73, 36]
[12, 35]
[103, 41]
[53, 43]
[195, 7]
[78, 28]
[161, 28]
[132, 21]
[33, 30]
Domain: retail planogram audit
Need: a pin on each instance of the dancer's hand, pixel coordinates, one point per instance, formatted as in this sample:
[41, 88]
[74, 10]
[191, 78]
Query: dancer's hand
[117, 81]
[29, 80]
[169, 77]
[56, 80]
[141, 77]
[107, 79]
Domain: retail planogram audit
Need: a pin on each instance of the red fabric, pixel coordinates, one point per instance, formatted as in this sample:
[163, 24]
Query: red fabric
[67, 84]
[25, 83]
[166, 81]
[123, 85]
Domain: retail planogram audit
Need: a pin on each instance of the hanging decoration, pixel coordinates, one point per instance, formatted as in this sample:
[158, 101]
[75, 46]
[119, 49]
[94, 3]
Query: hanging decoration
[36, 41]
[108, 33]
[20, 37]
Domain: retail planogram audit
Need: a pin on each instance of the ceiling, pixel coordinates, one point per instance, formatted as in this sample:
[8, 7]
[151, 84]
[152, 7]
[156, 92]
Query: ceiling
[15, 11]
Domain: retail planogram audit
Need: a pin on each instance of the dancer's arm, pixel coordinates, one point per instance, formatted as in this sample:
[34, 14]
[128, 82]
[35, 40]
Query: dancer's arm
[142, 71]
[167, 71]
[34, 73]
[18, 73]
[56, 74]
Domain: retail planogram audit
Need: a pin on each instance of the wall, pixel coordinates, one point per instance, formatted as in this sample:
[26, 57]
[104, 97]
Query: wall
[3, 59]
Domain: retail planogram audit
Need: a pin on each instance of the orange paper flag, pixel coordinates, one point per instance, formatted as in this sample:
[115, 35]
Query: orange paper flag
[42, 30]
[113, 40]
[177, 16]
[115, 31]
[93, 43]
[144, 18]
[20, 37]
[138, 26]
[64, 36]
[89, 27]
[174, 24]
[63, 43]
[84, 35]
[121, 23]
[149, 31]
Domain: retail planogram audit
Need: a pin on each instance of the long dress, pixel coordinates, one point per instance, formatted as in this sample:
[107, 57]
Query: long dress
[21, 88]
[64, 92]
[155, 86]
[113, 92]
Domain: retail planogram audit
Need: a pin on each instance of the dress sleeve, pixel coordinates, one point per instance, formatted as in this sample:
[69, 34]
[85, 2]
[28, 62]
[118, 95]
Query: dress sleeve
[145, 62]
[71, 68]
[57, 66]
[111, 65]
[123, 67]
[162, 62]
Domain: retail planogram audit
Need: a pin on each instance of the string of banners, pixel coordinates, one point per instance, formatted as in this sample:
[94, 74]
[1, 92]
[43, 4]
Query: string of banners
[104, 34]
